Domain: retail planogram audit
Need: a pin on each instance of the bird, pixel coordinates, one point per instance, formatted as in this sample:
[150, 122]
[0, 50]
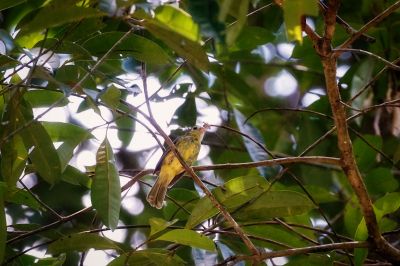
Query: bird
[170, 168]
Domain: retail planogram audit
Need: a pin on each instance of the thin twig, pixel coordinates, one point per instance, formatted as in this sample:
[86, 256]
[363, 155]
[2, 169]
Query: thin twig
[387, 63]
[369, 25]
[146, 92]
[298, 251]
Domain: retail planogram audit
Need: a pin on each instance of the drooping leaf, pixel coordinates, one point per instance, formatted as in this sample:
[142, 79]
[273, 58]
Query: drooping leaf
[106, 188]
[81, 242]
[43, 153]
[189, 238]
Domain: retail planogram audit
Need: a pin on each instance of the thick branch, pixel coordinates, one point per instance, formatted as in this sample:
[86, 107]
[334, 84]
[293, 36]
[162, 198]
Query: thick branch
[349, 165]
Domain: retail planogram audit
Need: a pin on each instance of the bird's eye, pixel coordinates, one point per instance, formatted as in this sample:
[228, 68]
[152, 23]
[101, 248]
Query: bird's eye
[195, 128]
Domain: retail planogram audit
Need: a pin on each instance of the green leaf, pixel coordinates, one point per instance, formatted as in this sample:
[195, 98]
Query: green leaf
[65, 47]
[134, 45]
[186, 114]
[360, 254]
[13, 159]
[189, 238]
[364, 154]
[190, 50]
[178, 21]
[106, 188]
[158, 225]
[44, 156]
[251, 37]
[233, 194]
[241, 15]
[352, 215]
[293, 10]
[380, 180]
[180, 197]
[7, 62]
[275, 204]
[111, 97]
[45, 98]
[71, 135]
[75, 177]
[319, 194]
[126, 127]
[81, 242]
[148, 257]
[255, 151]
[59, 131]
[4, 4]
[22, 197]
[388, 203]
[58, 13]
[3, 224]
[205, 13]
[276, 233]
[311, 260]
[57, 261]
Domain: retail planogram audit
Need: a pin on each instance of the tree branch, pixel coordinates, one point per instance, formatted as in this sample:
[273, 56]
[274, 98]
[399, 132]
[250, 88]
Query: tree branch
[367, 26]
[298, 251]
[349, 165]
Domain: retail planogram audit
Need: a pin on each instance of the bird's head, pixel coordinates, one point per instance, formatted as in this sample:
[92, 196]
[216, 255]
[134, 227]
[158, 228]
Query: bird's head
[199, 131]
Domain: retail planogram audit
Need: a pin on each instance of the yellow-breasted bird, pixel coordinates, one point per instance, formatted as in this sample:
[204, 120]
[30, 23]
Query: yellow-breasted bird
[169, 166]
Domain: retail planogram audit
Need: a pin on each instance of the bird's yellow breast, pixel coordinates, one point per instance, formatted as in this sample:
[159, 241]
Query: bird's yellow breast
[188, 148]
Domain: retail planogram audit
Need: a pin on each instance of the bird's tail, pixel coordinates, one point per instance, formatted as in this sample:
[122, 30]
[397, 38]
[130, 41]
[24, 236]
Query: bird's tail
[157, 193]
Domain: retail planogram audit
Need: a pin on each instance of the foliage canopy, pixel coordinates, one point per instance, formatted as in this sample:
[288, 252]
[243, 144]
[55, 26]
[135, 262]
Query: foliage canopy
[301, 163]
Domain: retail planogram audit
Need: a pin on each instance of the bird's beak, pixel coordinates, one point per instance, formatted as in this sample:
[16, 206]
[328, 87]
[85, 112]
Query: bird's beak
[205, 127]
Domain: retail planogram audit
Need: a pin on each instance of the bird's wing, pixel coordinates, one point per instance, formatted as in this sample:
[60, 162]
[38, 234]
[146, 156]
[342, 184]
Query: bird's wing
[168, 150]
